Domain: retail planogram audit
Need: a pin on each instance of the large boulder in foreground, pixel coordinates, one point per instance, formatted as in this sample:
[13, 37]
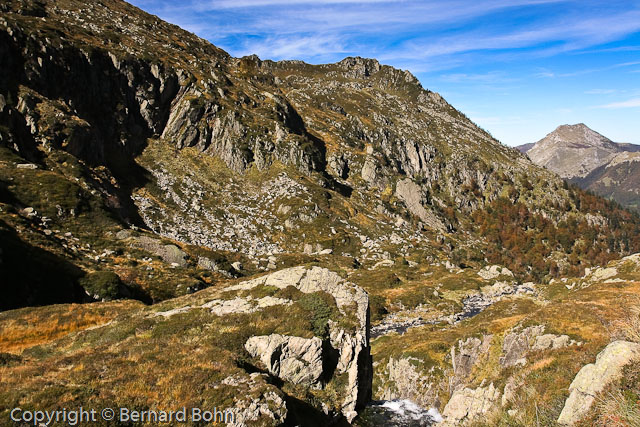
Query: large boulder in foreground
[315, 362]
[594, 378]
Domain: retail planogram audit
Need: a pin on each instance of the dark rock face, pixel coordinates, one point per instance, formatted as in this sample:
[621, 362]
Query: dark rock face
[114, 92]
[104, 105]
[33, 276]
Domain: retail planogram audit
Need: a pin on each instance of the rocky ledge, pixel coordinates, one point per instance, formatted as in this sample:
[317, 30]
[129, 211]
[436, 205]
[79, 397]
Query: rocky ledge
[315, 362]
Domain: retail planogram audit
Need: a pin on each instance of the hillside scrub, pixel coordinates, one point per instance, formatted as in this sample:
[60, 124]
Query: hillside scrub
[528, 243]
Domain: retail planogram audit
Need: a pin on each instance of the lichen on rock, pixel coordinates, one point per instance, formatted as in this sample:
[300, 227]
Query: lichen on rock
[594, 377]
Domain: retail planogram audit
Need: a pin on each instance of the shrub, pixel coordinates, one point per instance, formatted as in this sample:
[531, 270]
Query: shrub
[103, 285]
[378, 307]
[319, 306]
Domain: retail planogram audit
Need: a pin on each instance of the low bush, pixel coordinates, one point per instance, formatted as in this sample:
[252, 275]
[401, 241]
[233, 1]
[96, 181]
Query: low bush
[103, 285]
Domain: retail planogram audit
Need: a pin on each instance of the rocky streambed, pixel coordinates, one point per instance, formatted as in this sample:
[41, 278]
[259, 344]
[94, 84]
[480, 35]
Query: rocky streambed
[473, 304]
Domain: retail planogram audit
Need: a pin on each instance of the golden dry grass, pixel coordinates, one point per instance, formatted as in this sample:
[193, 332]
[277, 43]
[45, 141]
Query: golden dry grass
[24, 328]
[628, 327]
[617, 411]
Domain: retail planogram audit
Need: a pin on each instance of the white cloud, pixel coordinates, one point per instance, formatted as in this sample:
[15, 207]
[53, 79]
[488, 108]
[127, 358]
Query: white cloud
[631, 103]
[569, 36]
[293, 47]
[600, 91]
[422, 36]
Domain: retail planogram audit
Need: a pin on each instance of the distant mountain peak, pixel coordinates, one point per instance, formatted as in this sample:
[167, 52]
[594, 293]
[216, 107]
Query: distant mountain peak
[573, 151]
[591, 160]
[578, 134]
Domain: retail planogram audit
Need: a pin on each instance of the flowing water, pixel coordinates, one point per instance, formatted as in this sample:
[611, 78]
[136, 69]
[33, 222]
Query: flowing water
[397, 413]
[472, 305]
[405, 413]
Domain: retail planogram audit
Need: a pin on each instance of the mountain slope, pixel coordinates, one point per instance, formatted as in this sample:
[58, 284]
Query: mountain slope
[617, 180]
[138, 161]
[525, 147]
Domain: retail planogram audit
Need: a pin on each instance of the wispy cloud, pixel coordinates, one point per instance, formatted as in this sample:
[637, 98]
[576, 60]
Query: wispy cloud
[550, 74]
[631, 103]
[600, 91]
[291, 47]
[399, 31]
[544, 60]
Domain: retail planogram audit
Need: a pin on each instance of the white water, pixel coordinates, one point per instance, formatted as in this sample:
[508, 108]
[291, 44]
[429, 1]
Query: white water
[400, 413]
[407, 408]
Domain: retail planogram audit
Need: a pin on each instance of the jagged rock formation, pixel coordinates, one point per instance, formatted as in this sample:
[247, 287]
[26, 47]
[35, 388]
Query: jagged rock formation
[591, 160]
[308, 361]
[468, 404]
[518, 343]
[404, 381]
[269, 408]
[466, 356]
[300, 360]
[294, 359]
[594, 377]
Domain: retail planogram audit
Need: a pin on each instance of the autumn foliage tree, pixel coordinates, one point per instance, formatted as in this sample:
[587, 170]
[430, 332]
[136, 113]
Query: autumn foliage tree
[525, 241]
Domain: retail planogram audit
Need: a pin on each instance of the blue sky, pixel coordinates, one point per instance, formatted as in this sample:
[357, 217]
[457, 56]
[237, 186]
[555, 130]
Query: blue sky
[518, 68]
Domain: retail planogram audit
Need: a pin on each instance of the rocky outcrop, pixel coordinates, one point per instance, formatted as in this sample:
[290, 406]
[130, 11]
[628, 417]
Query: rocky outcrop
[403, 380]
[493, 271]
[519, 342]
[316, 279]
[412, 195]
[469, 351]
[468, 404]
[594, 378]
[205, 124]
[287, 357]
[293, 359]
[243, 305]
[268, 409]
[550, 341]
[171, 254]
